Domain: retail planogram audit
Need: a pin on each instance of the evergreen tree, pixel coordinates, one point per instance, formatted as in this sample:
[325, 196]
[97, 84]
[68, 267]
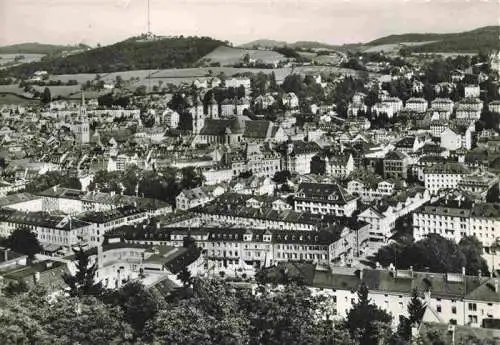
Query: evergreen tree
[416, 311]
[185, 277]
[365, 320]
[415, 308]
[46, 97]
[83, 282]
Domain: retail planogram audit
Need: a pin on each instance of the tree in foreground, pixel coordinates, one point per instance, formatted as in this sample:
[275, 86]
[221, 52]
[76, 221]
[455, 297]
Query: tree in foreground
[138, 304]
[416, 310]
[83, 282]
[24, 241]
[365, 321]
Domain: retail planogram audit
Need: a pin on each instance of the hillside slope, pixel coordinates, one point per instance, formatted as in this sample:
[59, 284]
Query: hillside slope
[485, 38]
[228, 56]
[131, 54]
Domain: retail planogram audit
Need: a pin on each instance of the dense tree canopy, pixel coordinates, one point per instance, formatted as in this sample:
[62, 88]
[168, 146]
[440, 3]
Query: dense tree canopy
[175, 52]
[50, 179]
[23, 240]
[435, 254]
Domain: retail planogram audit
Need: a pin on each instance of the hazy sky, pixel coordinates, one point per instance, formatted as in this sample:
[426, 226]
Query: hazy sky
[239, 21]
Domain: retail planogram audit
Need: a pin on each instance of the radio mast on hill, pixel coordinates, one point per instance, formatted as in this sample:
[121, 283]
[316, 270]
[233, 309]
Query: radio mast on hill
[149, 21]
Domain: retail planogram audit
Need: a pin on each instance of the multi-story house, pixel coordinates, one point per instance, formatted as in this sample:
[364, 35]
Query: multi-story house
[444, 176]
[494, 107]
[319, 198]
[237, 82]
[448, 298]
[410, 144]
[190, 198]
[382, 216]
[263, 102]
[291, 101]
[442, 104]
[395, 164]
[469, 108]
[437, 127]
[456, 138]
[367, 192]
[395, 103]
[480, 184]
[418, 105]
[60, 231]
[457, 217]
[383, 108]
[297, 158]
[472, 91]
[335, 165]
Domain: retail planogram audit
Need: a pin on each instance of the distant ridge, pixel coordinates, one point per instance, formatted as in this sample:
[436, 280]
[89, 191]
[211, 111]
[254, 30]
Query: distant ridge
[263, 43]
[484, 38]
[39, 48]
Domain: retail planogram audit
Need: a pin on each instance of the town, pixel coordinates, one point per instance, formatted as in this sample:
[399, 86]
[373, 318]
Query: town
[377, 180]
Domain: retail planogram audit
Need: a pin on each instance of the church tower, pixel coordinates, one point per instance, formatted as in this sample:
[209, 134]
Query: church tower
[213, 108]
[196, 110]
[82, 128]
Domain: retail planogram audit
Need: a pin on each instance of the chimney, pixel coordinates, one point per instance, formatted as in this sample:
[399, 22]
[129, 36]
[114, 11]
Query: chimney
[361, 274]
[479, 273]
[463, 270]
[6, 254]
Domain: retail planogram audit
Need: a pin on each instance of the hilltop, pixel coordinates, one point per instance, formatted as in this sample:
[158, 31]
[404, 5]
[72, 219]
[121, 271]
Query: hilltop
[132, 54]
[39, 48]
[263, 43]
[485, 38]
[270, 44]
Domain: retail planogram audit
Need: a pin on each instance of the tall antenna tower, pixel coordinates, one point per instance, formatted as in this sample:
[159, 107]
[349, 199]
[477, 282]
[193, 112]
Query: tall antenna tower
[149, 33]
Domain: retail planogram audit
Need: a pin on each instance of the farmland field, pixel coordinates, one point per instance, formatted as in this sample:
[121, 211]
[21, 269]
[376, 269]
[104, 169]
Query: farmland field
[229, 56]
[9, 59]
[169, 76]
[13, 99]
[394, 47]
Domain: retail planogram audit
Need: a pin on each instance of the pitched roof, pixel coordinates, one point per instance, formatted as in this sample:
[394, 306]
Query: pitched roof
[261, 129]
[324, 191]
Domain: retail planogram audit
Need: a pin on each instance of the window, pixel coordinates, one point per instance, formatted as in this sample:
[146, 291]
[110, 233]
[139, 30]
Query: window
[438, 308]
[472, 307]
[472, 319]
[453, 310]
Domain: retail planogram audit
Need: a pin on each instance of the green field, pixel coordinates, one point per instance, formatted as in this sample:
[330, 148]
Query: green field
[228, 56]
[169, 76]
[13, 99]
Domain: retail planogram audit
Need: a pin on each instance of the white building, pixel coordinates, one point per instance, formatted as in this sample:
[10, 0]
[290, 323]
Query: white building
[472, 91]
[418, 105]
[443, 176]
[319, 198]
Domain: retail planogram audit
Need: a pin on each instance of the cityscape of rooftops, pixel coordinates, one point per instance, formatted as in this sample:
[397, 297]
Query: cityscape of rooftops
[249, 173]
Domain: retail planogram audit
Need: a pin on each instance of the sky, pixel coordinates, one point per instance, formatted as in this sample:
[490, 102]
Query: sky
[238, 21]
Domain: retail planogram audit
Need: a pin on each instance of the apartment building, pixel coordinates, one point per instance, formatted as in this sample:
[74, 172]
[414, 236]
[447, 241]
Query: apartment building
[60, 231]
[418, 105]
[319, 198]
[367, 192]
[444, 176]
